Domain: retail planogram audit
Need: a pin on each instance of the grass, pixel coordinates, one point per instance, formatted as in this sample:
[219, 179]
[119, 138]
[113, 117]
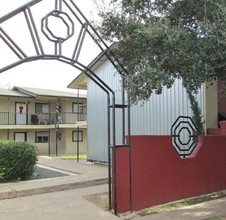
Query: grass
[181, 203]
[74, 157]
[216, 218]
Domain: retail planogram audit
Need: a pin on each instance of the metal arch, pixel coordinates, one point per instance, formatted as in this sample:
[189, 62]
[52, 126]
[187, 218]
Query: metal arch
[84, 23]
[86, 28]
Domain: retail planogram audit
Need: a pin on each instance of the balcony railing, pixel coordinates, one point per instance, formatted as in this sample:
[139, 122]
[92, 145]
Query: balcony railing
[12, 118]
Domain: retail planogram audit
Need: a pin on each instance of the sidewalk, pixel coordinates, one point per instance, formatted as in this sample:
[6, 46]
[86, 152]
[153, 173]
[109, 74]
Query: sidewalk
[82, 175]
[211, 210]
[85, 179]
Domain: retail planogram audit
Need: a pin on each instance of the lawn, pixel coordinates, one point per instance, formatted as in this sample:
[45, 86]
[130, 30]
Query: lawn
[74, 157]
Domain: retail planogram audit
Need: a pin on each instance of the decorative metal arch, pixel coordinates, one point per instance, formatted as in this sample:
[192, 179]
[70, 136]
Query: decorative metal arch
[41, 31]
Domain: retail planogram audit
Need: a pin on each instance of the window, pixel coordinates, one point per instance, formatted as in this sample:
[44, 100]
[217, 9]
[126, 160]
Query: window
[77, 108]
[77, 136]
[42, 137]
[80, 110]
[20, 136]
[41, 108]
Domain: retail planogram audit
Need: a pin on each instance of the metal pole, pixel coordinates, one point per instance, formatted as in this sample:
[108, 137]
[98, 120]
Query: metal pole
[78, 144]
[57, 129]
[130, 150]
[78, 105]
[123, 111]
[109, 155]
[57, 124]
[49, 142]
[114, 154]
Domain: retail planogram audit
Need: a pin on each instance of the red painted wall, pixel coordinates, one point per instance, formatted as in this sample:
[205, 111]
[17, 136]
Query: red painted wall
[159, 175]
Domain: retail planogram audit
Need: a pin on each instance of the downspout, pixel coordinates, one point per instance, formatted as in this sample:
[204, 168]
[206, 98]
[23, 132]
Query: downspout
[77, 126]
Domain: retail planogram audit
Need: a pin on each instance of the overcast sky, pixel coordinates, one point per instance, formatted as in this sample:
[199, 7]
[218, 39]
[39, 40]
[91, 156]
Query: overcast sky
[40, 74]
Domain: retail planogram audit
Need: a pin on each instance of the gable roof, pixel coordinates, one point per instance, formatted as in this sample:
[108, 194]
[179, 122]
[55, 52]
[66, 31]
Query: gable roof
[81, 80]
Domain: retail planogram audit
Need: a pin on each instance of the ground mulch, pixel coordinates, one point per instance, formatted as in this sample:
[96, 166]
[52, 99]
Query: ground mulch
[43, 173]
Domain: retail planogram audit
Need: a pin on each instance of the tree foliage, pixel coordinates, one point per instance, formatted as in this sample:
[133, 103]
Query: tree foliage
[160, 40]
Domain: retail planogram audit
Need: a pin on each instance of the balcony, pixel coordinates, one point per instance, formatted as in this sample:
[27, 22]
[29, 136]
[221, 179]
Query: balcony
[13, 118]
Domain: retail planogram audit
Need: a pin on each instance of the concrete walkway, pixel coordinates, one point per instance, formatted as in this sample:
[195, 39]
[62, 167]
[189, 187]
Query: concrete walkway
[211, 210]
[61, 205]
[81, 175]
[63, 197]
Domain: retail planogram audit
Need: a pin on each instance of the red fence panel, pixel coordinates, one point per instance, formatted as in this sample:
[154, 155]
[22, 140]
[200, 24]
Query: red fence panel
[159, 175]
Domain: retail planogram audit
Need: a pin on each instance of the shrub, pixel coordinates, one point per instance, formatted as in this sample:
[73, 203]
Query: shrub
[17, 160]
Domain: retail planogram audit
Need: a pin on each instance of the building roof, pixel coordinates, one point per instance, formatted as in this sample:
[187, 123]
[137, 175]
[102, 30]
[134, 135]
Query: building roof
[81, 80]
[36, 92]
[12, 93]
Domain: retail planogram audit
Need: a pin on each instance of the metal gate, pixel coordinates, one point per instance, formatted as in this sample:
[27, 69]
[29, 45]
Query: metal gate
[75, 28]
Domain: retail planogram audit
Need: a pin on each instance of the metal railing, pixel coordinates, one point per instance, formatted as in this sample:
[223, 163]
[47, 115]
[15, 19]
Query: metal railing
[14, 118]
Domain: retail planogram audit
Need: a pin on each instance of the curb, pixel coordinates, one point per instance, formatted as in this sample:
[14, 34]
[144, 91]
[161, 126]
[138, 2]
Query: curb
[26, 189]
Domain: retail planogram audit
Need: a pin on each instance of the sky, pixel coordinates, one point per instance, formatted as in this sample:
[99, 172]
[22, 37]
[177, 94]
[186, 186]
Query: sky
[41, 74]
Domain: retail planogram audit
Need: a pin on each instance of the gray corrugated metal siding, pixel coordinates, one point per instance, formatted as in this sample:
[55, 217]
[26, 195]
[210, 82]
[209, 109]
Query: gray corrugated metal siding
[154, 117]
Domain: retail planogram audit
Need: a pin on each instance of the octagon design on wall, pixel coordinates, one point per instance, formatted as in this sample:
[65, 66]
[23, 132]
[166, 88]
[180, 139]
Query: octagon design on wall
[184, 136]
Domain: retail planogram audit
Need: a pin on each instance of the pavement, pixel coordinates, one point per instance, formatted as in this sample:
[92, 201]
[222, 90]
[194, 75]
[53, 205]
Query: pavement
[65, 197]
[81, 175]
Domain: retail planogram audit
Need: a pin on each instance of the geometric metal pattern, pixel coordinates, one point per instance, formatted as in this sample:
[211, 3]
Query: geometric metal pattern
[62, 18]
[184, 136]
[58, 26]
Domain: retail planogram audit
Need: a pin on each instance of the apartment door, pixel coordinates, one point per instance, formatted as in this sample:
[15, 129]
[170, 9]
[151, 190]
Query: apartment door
[20, 136]
[21, 113]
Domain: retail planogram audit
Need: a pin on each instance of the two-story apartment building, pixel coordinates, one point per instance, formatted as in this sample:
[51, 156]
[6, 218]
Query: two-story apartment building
[55, 121]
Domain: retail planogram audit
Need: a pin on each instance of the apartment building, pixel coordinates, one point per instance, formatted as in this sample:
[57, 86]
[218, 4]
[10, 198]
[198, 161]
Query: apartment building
[55, 121]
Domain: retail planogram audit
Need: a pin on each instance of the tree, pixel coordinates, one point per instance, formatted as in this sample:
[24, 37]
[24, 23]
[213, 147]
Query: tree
[161, 40]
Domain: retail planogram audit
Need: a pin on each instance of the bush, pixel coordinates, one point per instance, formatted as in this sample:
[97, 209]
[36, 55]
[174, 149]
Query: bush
[17, 160]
